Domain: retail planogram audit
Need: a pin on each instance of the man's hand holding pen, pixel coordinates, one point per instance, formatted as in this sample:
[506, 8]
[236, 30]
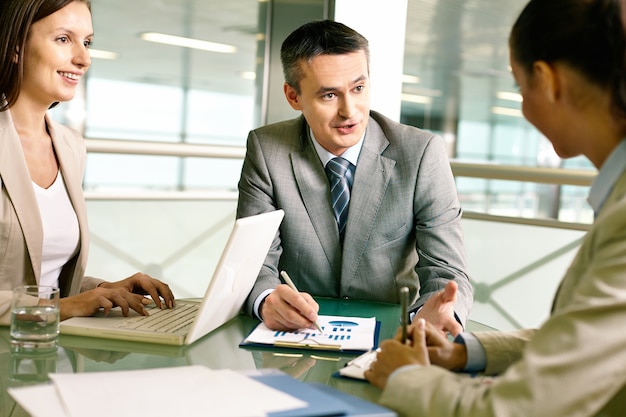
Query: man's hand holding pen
[287, 309]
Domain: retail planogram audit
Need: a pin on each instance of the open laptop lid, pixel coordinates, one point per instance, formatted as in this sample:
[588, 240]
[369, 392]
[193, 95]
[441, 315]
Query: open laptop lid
[233, 278]
[236, 271]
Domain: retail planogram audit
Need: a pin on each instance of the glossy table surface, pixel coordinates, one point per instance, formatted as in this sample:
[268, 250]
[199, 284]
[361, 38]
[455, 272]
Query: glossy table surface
[217, 350]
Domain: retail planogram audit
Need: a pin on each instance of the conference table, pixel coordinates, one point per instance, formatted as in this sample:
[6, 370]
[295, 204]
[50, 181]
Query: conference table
[217, 350]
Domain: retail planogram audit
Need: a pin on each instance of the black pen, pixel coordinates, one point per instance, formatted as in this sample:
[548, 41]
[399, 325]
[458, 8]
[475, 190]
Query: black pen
[289, 282]
[404, 319]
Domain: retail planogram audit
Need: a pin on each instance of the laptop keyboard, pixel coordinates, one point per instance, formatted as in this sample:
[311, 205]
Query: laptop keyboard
[163, 321]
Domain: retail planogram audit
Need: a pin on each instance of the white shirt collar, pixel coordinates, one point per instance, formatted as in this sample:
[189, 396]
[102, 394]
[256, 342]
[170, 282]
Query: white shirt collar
[607, 177]
[351, 154]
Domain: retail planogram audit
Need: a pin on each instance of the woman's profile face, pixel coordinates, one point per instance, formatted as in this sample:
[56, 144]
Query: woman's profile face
[56, 55]
[530, 99]
[547, 105]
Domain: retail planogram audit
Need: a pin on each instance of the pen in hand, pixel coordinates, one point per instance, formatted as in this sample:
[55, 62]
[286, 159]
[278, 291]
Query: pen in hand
[289, 282]
[404, 319]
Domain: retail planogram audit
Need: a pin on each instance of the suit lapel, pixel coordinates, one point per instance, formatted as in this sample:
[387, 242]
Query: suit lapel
[16, 180]
[581, 261]
[371, 179]
[314, 191]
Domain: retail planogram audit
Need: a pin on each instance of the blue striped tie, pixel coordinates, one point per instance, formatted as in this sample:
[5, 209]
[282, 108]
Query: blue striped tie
[340, 176]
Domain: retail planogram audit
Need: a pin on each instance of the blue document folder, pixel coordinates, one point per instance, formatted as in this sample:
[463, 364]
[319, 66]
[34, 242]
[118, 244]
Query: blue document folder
[322, 400]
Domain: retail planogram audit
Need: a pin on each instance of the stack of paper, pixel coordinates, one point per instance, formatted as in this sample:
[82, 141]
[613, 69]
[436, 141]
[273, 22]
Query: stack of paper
[165, 392]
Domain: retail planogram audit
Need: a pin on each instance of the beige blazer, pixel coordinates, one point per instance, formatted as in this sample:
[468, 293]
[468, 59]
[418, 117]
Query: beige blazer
[21, 233]
[573, 366]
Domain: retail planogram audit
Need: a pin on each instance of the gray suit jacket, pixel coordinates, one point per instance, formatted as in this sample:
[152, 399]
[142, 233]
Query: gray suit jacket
[21, 231]
[574, 365]
[403, 224]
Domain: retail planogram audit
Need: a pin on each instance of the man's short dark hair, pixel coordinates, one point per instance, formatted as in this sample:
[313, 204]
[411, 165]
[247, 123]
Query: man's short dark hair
[323, 37]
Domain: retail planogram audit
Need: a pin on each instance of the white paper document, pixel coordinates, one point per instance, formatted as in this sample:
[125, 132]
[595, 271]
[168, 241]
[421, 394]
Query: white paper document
[338, 333]
[164, 392]
[356, 367]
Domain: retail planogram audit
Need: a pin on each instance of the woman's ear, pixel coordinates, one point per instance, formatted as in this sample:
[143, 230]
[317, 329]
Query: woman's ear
[16, 55]
[546, 78]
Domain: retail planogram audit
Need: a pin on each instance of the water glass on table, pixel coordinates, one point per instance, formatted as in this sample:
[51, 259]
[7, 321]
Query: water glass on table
[35, 317]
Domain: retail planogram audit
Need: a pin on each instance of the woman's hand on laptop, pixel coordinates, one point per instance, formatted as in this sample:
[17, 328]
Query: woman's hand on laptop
[128, 294]
[144, 284]
[286, 309]
[89, 302]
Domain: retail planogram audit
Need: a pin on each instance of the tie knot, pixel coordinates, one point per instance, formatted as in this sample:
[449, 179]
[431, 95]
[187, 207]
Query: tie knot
[338, 166]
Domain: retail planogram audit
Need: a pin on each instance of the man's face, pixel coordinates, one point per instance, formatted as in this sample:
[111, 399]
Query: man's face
[334, 99]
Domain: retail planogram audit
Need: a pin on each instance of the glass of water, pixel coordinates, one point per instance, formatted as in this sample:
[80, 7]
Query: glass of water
[35, 317]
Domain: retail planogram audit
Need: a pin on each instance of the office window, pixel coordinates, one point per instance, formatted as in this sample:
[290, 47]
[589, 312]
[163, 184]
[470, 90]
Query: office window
[458, 84]
[140, 88]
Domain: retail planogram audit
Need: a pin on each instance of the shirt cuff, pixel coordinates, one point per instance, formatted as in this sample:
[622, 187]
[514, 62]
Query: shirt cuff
[476, 356]
[259, 300]
[413, 313]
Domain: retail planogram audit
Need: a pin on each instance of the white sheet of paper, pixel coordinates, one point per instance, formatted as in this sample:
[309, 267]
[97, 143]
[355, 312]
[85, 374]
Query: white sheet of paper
[163, 392]
[356, 367]
[39, 400]
[350, 333]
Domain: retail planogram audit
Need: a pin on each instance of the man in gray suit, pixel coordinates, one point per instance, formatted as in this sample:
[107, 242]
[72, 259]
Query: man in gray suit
[403, 214]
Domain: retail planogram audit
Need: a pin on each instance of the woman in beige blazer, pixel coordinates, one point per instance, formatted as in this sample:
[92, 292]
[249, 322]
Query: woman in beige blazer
[43, 220]
[568, 58]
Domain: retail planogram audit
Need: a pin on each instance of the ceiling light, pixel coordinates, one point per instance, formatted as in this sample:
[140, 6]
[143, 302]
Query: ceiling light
[429, 92]
[410, 79]
[507, 95]
[187, 42]
[507, 111]
[98, 53]
[248, 75]
[414, 98]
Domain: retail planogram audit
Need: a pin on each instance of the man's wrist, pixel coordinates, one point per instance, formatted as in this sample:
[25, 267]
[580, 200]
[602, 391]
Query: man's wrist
[258, 303]
[260, 312]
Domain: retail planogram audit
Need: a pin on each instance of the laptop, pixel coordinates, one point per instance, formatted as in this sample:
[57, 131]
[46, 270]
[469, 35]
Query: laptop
[233, 278]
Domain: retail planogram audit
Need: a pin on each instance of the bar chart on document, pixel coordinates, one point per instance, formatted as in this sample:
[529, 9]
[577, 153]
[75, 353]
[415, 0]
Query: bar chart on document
[338, 333]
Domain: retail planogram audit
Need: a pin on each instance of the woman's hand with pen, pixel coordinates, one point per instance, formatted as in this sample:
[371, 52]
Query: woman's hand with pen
[441, 351]
[394, 354]
[425, 345]
[286, 309]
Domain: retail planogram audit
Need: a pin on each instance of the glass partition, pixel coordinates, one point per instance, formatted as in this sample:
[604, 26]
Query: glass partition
[458, 84]
[515, 269]
[169, 71]
[177, 241]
